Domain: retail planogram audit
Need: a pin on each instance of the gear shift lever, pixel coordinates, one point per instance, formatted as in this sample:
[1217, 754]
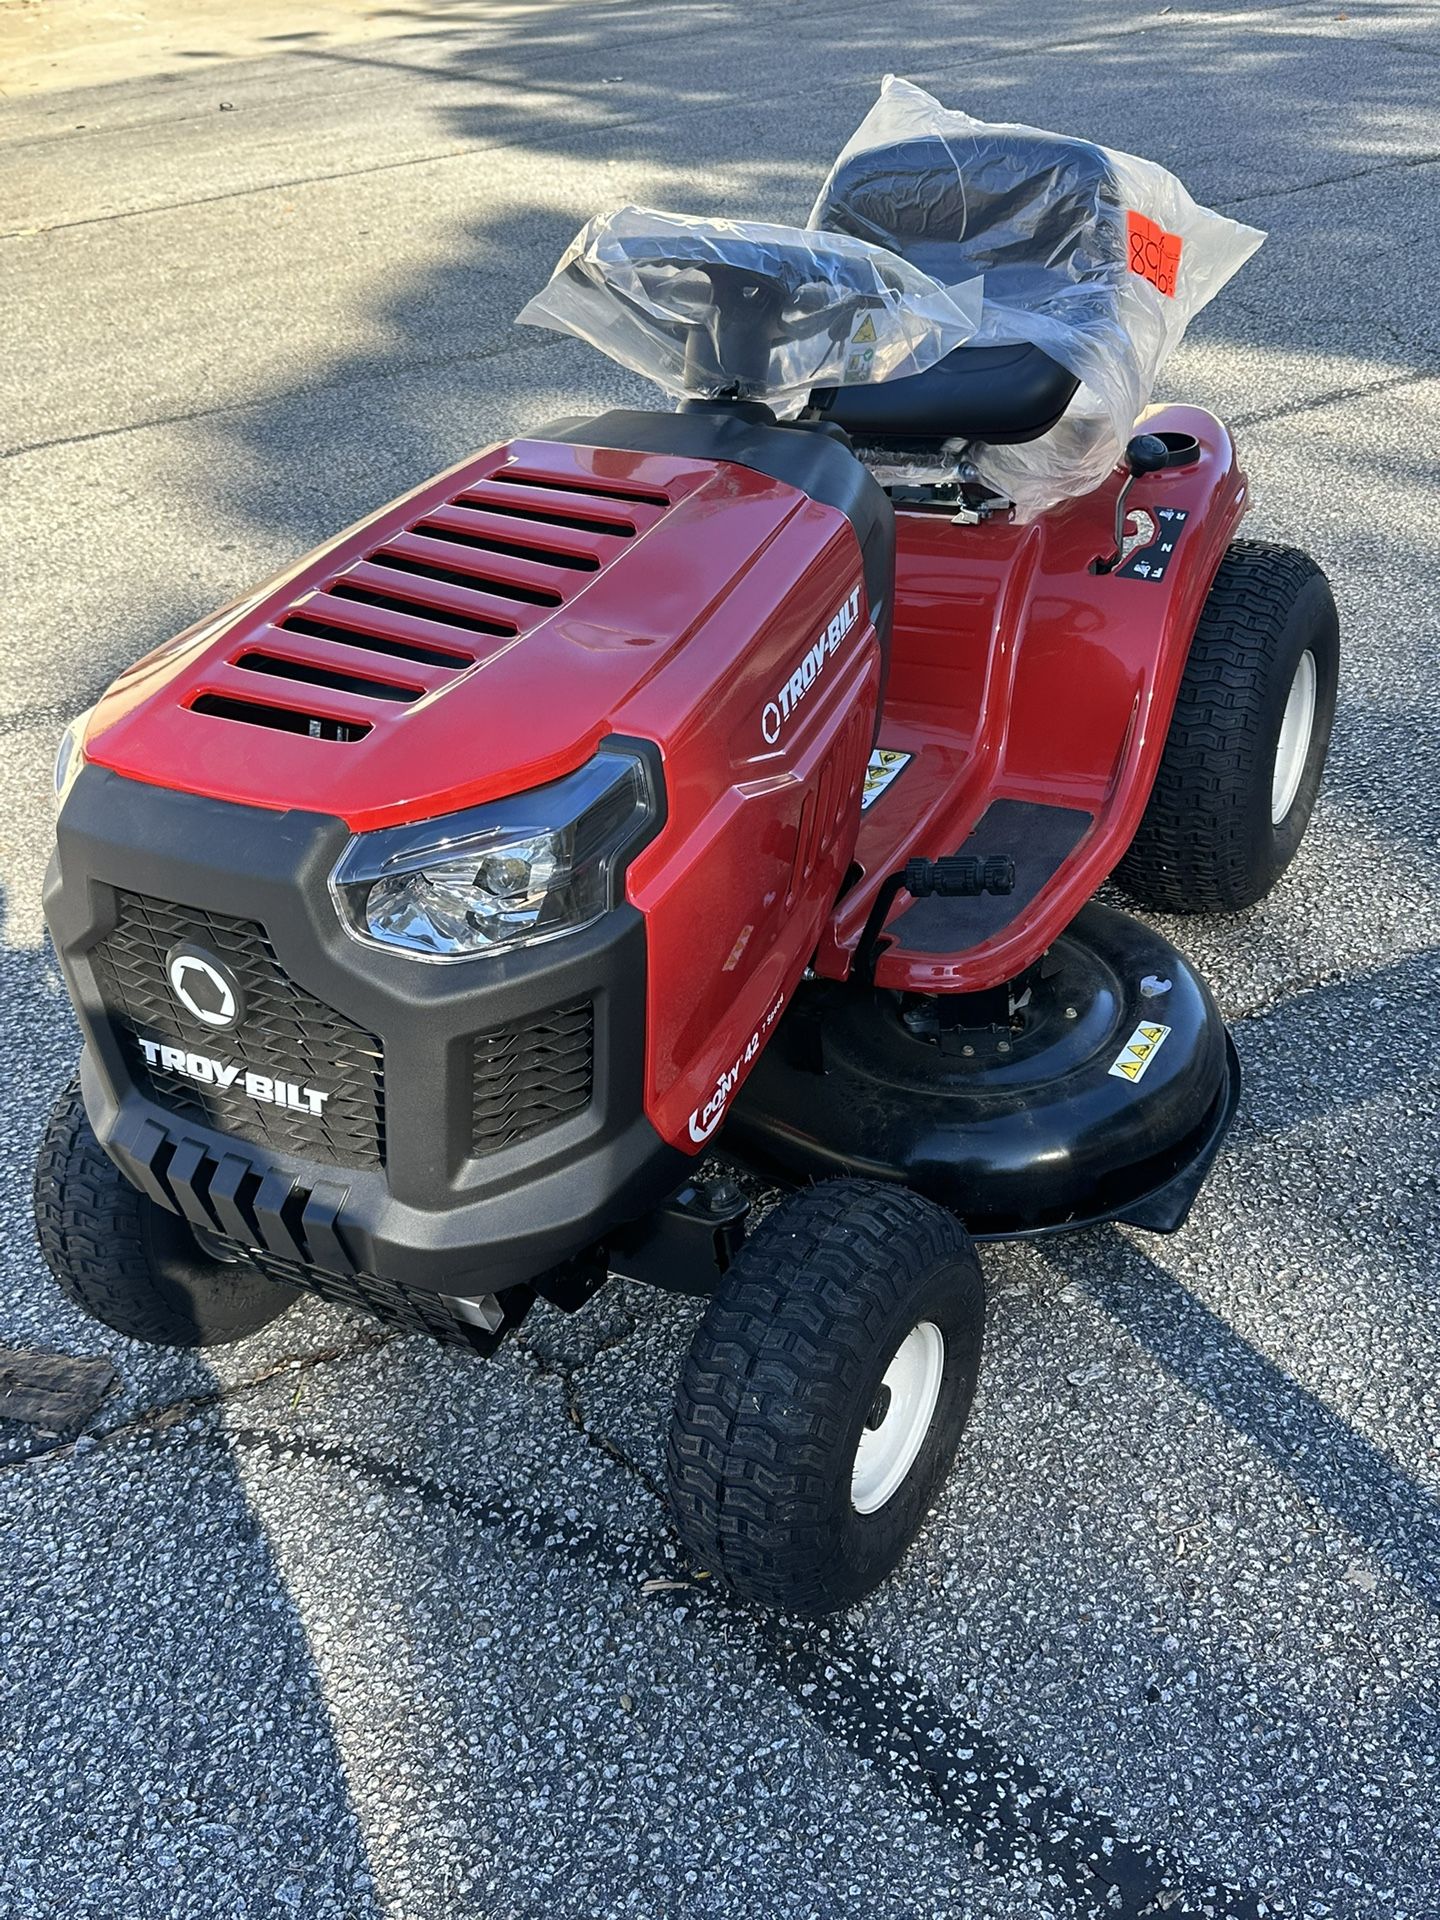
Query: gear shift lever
[1146, 453]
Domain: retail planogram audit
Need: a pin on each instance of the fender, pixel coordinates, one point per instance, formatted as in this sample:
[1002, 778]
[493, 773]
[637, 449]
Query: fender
[1020, 673]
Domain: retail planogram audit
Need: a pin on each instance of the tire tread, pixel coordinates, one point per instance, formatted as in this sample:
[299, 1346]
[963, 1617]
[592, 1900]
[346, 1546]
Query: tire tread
[771, 1379]
[90, 1228]
[1194, 850]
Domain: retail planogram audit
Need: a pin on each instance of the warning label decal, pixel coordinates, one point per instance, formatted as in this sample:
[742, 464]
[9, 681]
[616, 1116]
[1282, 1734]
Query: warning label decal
[861, 357]
[882, 769]
[1154, 253]
[1139, 1050]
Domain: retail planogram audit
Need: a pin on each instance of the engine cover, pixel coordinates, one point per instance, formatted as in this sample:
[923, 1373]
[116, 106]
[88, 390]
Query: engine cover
[483, 635]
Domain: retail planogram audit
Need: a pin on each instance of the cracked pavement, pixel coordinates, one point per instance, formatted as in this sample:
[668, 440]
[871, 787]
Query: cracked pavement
[338, 1624]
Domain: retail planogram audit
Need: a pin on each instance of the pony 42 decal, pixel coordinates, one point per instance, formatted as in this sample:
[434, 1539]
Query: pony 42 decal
[704, 1120]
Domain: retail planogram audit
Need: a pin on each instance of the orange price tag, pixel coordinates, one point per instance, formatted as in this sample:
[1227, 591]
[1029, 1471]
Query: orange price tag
[1154, 254]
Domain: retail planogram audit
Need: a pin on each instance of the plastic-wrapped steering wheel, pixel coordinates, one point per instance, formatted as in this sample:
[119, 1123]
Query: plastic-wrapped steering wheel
[741, 309]
[736, 310]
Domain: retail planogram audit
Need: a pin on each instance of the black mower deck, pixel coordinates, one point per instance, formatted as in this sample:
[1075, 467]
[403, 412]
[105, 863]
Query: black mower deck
[1100, 1088]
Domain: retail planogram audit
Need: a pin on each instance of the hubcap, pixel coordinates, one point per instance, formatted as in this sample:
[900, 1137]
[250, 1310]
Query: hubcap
[899, 1419]
[1293, 749]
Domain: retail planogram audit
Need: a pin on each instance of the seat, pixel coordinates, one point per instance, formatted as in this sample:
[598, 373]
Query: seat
[1001, 394]
[1040, 216]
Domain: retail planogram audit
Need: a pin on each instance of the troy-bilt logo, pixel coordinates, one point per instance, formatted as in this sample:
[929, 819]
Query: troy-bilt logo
[704, 1120]
[224, 1074]
[204, 986]
[776, 712]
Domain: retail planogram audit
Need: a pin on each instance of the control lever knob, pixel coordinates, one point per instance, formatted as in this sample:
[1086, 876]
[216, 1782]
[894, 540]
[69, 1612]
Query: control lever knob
[1147, 453]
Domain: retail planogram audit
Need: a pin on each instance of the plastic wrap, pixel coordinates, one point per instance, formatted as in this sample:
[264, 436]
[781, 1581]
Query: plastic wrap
[734, 307]
[1094, 256]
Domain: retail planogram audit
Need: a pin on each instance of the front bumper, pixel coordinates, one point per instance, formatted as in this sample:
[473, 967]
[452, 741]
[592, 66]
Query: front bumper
[429, 1208]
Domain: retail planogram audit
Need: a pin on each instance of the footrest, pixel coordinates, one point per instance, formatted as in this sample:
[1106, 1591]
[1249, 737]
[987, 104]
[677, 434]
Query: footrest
[1039, 839]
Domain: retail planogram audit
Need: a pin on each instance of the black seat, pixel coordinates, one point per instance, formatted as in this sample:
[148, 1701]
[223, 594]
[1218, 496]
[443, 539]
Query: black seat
[1040, 216]
[1001, 394]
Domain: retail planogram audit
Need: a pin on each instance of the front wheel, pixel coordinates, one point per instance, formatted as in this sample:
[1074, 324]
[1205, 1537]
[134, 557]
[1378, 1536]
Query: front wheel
[1247, 743]
[127, 1262]
[823, 1399]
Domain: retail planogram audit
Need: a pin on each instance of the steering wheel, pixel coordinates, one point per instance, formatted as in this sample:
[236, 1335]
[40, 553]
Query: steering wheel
[735, 312]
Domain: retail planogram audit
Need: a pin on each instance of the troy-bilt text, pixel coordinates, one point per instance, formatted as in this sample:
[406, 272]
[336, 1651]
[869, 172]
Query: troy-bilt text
[225, 1074]
[776, 712]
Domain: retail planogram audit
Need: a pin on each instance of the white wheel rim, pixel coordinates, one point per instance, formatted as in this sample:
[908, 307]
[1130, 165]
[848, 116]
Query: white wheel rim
[906, 1402]
[1293, 749]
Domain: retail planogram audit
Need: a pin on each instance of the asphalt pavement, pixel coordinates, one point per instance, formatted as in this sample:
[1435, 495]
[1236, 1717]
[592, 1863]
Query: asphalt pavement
[338, 1624]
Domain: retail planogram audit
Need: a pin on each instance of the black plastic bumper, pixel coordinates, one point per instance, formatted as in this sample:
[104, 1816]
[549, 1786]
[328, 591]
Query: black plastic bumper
[434, 1214]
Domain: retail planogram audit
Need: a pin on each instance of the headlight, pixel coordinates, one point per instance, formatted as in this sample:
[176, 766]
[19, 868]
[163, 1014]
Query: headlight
[70, 755]
[507, 875]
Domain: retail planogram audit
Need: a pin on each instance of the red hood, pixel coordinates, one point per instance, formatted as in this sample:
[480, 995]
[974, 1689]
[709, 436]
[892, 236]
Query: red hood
[476, 638]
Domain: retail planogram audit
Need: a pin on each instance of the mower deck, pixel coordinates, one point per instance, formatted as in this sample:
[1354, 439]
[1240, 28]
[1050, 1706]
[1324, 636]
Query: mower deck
[1097, 1087]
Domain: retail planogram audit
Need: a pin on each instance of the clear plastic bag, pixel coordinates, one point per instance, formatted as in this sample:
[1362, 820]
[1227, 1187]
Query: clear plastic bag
[1094, 256]
[735, 307]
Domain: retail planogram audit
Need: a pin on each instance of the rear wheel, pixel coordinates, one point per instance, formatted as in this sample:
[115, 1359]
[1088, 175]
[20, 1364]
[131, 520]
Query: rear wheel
[129, 1263]
[1248, 739]
[825, 1394]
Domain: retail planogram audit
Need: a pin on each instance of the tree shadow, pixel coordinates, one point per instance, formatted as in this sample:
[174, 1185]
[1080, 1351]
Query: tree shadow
[1316, 1449]
[457, 371]
[164, 1708]
[124, 1577]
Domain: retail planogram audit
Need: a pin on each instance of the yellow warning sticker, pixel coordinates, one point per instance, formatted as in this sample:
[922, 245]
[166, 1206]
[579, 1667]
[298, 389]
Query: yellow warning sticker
[885, 763]
[864, 334]
[1139, 1050]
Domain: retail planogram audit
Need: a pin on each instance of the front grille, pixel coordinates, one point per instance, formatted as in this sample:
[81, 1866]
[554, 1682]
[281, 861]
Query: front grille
[285, 1034]
[411, 1309]
[527, 1078]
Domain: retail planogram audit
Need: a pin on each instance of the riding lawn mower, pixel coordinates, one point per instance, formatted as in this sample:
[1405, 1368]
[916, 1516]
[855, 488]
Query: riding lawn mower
[665, 845]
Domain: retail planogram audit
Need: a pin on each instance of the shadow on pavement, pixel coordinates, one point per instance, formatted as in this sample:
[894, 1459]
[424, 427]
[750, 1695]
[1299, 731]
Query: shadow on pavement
[1317, 1450]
